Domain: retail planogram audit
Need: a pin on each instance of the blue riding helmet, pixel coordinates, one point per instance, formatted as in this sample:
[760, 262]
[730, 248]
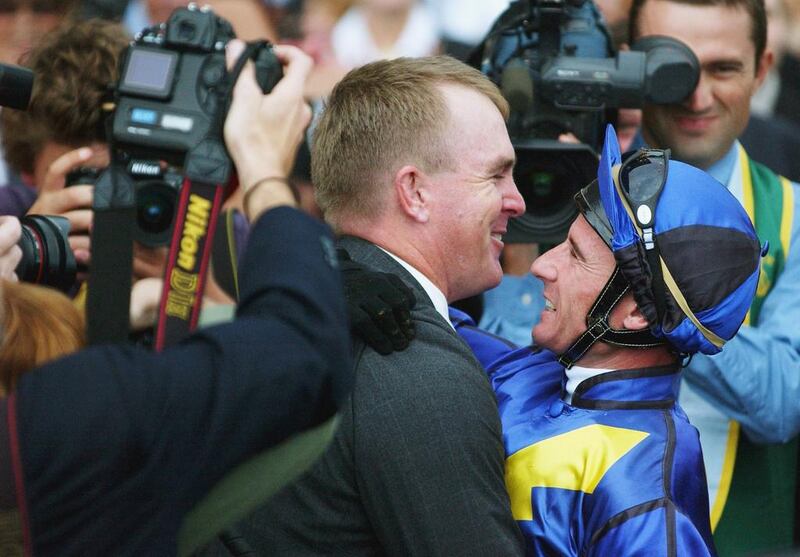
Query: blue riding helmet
[682, 242]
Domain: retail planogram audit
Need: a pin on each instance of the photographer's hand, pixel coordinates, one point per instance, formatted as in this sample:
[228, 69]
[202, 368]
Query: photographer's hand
[10, 253]
[263, 132]
[74, 203]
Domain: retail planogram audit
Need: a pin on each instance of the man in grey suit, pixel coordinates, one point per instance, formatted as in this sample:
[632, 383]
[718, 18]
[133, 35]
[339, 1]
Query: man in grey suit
[413, 167]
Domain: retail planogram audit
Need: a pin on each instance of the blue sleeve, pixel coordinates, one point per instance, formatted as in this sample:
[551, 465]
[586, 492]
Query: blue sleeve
[522, 378]
[646, 532]
[756, 377]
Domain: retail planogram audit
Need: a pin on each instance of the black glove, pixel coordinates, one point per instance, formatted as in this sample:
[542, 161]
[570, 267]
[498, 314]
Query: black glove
[379, 305]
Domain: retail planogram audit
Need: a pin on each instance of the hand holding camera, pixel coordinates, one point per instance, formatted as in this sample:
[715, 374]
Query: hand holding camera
[73, 203]
[10, 253]
[263, 132]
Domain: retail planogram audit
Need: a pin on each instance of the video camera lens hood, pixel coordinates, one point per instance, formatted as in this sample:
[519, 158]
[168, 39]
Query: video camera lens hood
[671, 69]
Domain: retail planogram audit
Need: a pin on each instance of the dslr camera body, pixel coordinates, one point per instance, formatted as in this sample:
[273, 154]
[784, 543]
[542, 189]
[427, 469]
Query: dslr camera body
[166, 142]
[555, 64]
[171, 101]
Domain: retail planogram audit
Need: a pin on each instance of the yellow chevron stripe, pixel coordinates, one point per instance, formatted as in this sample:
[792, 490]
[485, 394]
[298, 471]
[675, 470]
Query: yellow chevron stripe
[576, 460]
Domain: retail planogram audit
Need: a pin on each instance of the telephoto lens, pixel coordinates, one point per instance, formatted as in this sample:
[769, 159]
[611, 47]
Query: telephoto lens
[47, 258]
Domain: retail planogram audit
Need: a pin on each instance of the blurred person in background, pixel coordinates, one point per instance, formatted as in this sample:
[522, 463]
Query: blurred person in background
[464, 23]
[250, 18]
[787, 104]
[22, 24]
[63, 128]
[768, 106]
[366, 31]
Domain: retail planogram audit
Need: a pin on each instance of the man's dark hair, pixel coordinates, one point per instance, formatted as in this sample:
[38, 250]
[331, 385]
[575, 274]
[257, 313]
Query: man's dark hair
[754, 8]
[74, 64]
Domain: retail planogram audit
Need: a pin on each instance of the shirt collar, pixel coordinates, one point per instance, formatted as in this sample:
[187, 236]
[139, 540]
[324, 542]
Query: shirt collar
[576, 375]
[722, 170]
[645, 388]
[434, 293]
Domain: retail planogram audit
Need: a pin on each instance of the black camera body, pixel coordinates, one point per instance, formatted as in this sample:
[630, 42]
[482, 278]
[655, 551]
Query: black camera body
[168, 92]
[555, 64]
[171, 101]
[155, 189]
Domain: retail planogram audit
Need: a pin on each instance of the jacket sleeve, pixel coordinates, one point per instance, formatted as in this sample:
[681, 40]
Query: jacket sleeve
[756, 377]
[658, 532]
[190, 413]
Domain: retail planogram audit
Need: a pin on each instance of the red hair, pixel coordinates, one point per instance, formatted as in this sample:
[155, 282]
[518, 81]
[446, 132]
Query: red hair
[37, 324]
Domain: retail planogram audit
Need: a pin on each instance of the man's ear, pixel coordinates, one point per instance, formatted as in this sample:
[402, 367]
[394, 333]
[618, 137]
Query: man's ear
[411, 191]
[764, 65]
[634, 320]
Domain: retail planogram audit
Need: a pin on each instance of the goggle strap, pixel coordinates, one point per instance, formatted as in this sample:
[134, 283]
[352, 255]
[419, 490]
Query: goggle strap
[657, 286]
[651, 248]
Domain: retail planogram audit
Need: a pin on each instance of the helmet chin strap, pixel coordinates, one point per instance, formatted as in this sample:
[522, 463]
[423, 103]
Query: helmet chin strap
[600, 329]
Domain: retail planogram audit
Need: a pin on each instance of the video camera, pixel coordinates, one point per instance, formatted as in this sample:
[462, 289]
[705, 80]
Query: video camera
[554, 62]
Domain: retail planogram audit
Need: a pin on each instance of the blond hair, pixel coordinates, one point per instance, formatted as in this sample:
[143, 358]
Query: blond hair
[379, 116]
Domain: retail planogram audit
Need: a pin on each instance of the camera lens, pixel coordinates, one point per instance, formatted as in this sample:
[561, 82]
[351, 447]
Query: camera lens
[548, 174]
[156, 201]
[46, 256]
[543, 189]
[548, 199]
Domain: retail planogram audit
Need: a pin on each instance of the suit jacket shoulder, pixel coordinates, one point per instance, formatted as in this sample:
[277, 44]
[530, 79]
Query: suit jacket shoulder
[416, 467]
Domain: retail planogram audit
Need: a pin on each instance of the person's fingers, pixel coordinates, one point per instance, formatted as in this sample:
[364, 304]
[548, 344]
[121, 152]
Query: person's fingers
[233, 50]
[80, 220]
[568, 137]
[10, 232]
[9, 261]
[10, 252]
[384, 320]
[81, 249]
[59, 168]
[366, 329]
[58, 202]
[145, 297]
[297, 66]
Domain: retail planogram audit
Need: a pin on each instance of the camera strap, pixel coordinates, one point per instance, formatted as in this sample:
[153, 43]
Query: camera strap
[189, 254]
[109, 291]
[15, 535]
[208, 172]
